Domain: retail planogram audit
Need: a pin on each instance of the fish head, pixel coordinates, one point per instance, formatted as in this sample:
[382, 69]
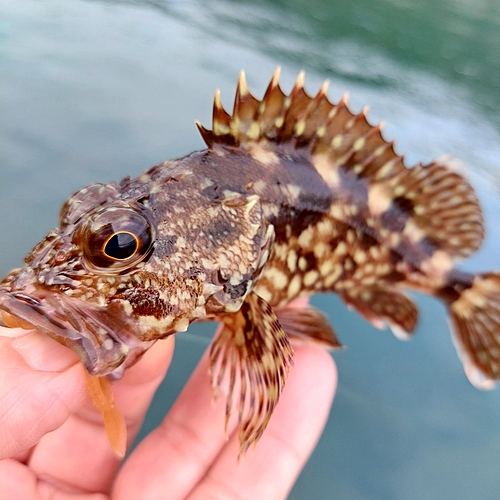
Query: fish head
[71, 283]
[123, 270]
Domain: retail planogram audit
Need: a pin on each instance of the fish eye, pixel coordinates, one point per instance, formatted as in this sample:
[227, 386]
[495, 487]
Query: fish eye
[117, 239]
[121, 245]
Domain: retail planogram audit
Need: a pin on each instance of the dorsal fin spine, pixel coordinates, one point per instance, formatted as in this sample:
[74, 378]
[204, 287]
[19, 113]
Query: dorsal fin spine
[323, 90]
[206, 135]
[221, 120]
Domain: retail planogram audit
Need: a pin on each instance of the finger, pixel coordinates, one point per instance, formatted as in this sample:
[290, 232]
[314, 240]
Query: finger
[190, 452]
[82, 436]
[39, 388]
[181, 449]
[18, 482]
[270, 470]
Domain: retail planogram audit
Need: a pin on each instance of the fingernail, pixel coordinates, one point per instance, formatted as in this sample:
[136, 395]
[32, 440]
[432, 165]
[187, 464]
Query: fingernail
[43, 353]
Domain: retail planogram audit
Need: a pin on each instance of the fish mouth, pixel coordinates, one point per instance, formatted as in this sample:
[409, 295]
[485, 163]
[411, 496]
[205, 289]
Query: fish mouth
[84, 328]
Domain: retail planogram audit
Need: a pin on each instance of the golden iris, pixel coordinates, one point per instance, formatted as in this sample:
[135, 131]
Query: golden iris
[116, 239]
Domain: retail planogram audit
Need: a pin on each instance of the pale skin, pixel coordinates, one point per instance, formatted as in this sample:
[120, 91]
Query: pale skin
[53, 445]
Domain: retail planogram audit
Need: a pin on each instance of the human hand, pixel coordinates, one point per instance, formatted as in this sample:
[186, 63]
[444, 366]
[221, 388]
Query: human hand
[53, 443]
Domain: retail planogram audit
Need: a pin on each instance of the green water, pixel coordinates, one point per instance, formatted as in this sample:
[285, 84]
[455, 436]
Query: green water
[93, 91]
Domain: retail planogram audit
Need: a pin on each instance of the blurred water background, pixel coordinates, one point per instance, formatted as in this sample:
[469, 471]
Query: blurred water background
[95, 90]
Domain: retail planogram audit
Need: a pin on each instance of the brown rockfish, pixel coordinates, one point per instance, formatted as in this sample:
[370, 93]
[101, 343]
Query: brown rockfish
[293, 196]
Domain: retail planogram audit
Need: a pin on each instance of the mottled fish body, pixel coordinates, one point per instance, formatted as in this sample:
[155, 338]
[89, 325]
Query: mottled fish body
[293, 196]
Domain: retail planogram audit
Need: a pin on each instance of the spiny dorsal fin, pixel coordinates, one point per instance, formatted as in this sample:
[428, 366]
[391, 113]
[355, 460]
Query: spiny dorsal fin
[430, 203]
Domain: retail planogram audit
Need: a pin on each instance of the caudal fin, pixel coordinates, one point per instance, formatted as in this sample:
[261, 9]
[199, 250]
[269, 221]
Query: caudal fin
[475, 316]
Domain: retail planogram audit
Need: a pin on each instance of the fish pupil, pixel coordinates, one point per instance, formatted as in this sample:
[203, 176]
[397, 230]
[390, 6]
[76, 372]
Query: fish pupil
[121, 246]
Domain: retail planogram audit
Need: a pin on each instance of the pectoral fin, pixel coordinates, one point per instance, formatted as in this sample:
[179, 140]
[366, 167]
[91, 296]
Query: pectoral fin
[252, 347]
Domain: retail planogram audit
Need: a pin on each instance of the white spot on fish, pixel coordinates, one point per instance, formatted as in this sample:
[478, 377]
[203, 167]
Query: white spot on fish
[326, 267]
[359, 257]
[359, 144]
[438, 264]
[413, 232]
[341, 248]
[108, 343]
[305, 237]
[399, 190]
[333, 276]
[385, 169]
[302, 264]
[264, 292]
[321, 249]
[337, 141]
[294, 191]
[277, 277]
[295, 286]
[264, 156]
[254, 131]
[300, 127]
[291, 260]
[379, 199]
[310, 277]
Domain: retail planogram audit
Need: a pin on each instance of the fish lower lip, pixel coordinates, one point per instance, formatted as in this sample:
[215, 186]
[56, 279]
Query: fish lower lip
[11, 321]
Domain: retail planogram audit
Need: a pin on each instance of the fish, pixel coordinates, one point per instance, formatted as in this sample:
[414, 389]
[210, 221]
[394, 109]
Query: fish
[292, 196]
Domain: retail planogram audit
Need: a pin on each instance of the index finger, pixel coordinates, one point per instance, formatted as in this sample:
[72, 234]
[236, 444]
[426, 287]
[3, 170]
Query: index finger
[39, 388]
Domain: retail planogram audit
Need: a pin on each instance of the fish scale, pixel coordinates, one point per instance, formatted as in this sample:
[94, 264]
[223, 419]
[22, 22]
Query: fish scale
[293, 196]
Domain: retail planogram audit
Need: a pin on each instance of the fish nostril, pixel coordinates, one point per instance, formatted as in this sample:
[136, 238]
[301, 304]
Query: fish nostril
[60, 257]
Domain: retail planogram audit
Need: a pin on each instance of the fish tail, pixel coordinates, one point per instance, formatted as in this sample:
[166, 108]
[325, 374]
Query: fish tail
[475, 317]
